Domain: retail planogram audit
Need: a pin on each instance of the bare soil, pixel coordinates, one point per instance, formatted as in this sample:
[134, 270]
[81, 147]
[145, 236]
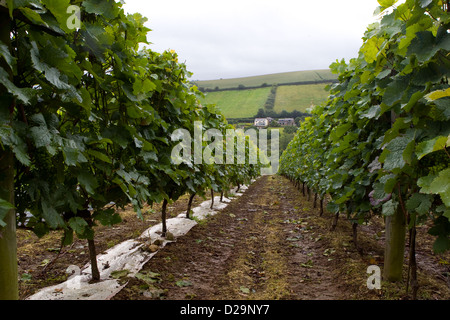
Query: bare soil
[269, 244]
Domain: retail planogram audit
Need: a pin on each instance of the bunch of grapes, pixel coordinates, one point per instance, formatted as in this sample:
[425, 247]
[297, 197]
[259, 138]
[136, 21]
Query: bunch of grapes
[434, 163]
[43, 163]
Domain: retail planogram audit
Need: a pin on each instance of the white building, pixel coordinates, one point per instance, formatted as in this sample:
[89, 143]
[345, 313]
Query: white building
[262, 122]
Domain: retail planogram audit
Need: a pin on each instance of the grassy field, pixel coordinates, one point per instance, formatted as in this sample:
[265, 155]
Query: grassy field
[299, 98]
[269, 79]
[238, 104]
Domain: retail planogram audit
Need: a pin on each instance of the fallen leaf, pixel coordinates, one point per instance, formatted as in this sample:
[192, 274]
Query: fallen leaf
[183, 283]
[245, 290]
[148, 277]
[119, 274]
[44, 262]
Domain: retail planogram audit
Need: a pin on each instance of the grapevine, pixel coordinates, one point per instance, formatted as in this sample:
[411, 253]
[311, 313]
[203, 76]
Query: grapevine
[379, 145]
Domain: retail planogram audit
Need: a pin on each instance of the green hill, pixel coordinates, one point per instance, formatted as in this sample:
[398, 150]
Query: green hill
[296, 77]
[296, 91]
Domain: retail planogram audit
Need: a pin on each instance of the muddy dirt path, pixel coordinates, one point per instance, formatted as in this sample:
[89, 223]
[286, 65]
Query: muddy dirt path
[268, 244]
[261, 247]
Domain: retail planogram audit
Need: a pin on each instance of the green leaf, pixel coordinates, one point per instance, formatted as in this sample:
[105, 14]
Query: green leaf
[73, 156]
[425, 182]
[395, 91]
[393, 154]
[387, 3]
[372, 49]
[78, 225]
[4, 52]
[18, 146]
[148, 86]
[88, 181]
[26, 277]
[107, 217]
[372, 113]
[341, 130]
[441, 186]
[379, 192]
[33, 16]
[332, 207]
[409, 151]
[148, 277]
[105, 8]
[20, 93]
[244, 290]
[183, 283]
[119, 274]
[442, 105]
[413, 101]
[59, 9]
[99, 155]
[383, 74]
[426, 45]
[68, 237]
[40, 134]
[5, 206]
[389, 208]
[388, 182]
[441, 244]
[52, 74]
[447, 213]
[51, 216]
[420, 203]
[427, 147]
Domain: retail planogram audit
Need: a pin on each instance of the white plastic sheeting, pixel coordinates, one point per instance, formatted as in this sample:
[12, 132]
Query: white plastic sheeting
[128, 256]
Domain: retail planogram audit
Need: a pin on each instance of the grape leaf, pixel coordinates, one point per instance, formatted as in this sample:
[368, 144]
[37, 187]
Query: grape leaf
[389, 208]
[420, 203]
[88, 181]
[20, 93]
[441, 185]
[427, 147]
[78, 225]
[101, 7]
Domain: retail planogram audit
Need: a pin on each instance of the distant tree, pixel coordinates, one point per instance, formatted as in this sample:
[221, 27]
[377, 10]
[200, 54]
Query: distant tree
[241, 87]
[270, 102]
[298, 120]
[275, 124]
[261, 113]
[295, 114]
[271, 114]
[285, 139]
[285, 114]
[290, 129]
[273, 90]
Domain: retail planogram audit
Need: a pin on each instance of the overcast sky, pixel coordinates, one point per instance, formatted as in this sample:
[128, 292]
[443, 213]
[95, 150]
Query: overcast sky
[238, 38]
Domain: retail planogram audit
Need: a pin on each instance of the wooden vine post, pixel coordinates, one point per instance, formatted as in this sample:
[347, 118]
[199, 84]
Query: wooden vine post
[395, 231]
[8, 244]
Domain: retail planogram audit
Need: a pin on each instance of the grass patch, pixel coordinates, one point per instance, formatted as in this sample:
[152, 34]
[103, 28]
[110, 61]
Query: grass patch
[239, 103]
[300, 98]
